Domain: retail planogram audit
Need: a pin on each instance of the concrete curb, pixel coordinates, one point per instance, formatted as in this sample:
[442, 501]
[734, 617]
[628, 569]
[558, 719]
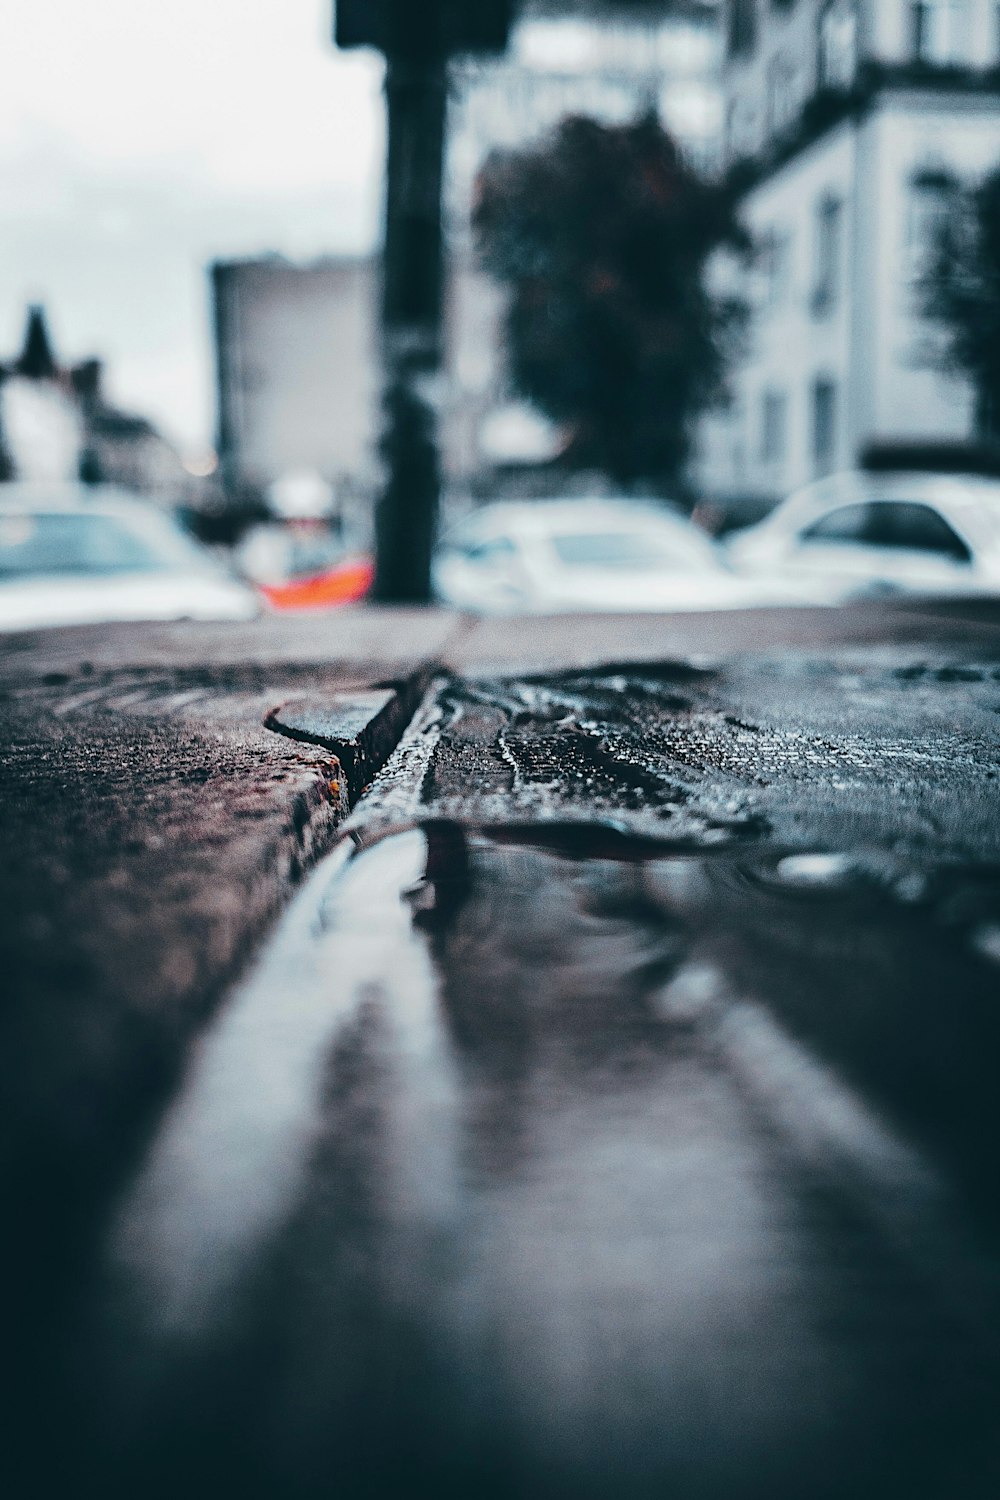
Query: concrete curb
[361, 729]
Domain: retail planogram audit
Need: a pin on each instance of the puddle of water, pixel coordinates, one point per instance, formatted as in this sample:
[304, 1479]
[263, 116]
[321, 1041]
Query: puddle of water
[228, 1165]
[529, 1150]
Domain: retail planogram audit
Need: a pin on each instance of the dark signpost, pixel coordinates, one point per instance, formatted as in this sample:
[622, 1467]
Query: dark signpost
[417, 37]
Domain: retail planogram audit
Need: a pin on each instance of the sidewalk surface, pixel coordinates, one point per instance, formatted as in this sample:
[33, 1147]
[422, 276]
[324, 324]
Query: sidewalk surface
[655, 1022]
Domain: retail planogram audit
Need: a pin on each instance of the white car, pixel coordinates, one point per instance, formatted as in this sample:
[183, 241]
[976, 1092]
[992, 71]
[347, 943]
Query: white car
[79, 555]
[860, 535]
[559, 556]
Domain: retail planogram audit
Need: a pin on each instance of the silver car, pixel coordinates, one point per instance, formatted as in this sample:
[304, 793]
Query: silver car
[74, 555]
[855, 535]
[557, 556]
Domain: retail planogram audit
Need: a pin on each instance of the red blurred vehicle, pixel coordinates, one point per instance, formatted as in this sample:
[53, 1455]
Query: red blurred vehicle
[302, 564]
[346, 583]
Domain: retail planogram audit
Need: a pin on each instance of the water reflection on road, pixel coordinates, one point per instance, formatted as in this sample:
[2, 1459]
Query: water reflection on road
[550, 1161]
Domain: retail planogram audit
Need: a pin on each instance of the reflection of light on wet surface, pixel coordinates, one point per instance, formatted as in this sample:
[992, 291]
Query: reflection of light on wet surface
[231, 1157]
[816, 871]
[986, 941]
[523, 1160]
[691, 993]
[642, 1280]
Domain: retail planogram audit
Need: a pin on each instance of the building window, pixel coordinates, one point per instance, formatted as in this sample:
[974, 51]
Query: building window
[731, 134]
[781, 100]
[838, 44]
[929, 205]
[939, 31]
[829, 233]
[824, 424]
[742, 130]
[773, 427]
[742, 27]
[773, 268]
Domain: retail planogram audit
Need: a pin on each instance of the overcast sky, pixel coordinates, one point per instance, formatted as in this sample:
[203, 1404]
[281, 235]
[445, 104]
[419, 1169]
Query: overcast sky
[141, 138]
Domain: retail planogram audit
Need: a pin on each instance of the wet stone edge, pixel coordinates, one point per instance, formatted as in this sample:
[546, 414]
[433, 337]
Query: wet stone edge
[361, 728]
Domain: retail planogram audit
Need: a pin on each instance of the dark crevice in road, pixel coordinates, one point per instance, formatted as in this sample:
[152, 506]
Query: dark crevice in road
[361, 728]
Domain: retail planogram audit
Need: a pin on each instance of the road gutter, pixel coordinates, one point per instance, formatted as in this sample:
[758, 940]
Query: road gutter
[361, 729]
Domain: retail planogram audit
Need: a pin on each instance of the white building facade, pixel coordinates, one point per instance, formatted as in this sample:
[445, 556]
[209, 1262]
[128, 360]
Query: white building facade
[854, 123]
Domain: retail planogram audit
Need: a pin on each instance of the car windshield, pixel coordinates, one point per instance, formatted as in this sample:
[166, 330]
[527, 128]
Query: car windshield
[82, 544]
[622, 549]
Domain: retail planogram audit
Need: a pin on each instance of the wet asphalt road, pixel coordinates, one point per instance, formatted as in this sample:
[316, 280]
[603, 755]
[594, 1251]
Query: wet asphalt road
[613, 1113]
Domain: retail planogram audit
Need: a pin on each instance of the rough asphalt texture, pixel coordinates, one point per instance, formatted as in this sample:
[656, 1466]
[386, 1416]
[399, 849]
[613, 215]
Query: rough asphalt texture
[654, 1151]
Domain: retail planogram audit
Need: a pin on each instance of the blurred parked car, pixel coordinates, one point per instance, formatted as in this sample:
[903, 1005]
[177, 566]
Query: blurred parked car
[78, 555]
[554, 556]
[303, 564]
[855, 535]
[345, 583]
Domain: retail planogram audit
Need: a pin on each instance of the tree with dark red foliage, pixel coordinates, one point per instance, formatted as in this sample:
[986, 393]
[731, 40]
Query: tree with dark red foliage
[961, 292]
[602, 233]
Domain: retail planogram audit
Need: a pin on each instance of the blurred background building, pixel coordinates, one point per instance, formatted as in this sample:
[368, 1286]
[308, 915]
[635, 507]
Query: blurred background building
[297, 369]
[57, 424]
[851, 125]
[296, 351]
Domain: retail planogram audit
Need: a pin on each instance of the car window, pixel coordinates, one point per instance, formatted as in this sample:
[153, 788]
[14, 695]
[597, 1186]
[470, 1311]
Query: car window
[891, 524]
[471, 544]
[621, 549]
[848, 523]
[70, 543]
[494, 549]
[915, 527]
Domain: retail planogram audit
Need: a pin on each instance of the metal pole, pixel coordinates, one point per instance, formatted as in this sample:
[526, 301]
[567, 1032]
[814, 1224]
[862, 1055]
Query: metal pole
[412, 294]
